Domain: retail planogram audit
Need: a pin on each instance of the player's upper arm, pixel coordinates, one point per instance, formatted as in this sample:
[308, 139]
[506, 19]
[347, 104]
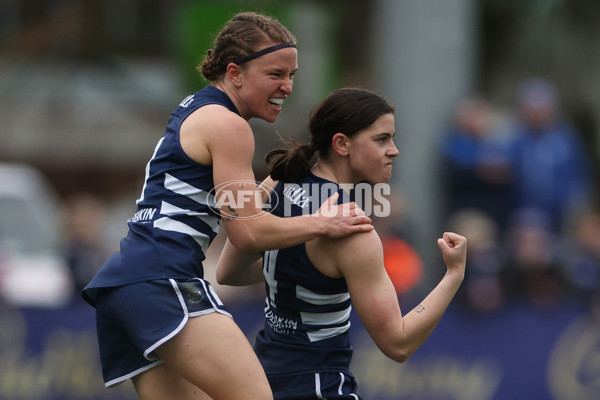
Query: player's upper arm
[213, 135]
[231, 145]
[360, 260]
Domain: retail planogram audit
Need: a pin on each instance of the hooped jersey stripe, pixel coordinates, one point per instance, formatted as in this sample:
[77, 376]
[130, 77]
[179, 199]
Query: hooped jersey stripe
[307, 314]
[176, 217]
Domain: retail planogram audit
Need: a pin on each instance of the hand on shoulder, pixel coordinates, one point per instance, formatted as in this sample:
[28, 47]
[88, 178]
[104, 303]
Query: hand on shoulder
[342, 219]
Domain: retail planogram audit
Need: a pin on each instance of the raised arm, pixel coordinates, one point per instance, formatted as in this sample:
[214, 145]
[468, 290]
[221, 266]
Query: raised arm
[359, 258]
[214, 135]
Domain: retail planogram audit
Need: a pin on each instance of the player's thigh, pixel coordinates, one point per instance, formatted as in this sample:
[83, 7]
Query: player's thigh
[162, 382]
[214, 354]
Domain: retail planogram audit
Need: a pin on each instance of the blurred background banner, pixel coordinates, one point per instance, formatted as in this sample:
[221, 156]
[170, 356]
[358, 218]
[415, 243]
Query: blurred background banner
[521, 352]
[498, 128]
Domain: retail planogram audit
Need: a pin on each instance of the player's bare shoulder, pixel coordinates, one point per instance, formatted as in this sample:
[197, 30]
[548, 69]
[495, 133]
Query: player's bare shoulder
[215, 119]
[359, 247]
[336, 257]
[211, 127]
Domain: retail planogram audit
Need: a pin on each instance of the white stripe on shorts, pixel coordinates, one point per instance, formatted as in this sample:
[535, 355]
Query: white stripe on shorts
[340, 392]
[318, 387]
[179, 327]
[214, 301]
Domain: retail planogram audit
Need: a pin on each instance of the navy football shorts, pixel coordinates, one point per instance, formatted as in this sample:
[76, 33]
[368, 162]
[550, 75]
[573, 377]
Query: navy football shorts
[324, 385]
[133, 320]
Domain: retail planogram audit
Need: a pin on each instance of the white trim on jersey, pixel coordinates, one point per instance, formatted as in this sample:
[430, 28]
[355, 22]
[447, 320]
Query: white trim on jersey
[147, 173]
[169, 210]
[319, 299]
[185, 189]
[177, 186]
[169, 224]
[269, 261]
[326, 333]
[325, 318]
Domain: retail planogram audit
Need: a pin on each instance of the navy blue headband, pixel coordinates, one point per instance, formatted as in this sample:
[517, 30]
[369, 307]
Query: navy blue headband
[262, 52]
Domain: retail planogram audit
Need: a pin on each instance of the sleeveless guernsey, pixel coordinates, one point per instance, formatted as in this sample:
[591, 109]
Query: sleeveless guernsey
[307, 313]
[176, 217]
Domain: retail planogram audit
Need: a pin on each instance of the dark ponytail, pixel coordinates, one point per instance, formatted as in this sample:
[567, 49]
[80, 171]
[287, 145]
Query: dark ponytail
[290, 164]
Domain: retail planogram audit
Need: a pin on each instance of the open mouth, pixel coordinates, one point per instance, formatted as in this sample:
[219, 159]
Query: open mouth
[276, 100]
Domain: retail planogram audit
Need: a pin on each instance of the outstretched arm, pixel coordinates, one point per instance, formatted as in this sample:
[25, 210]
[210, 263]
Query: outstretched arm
[359, 258]
[217, 136]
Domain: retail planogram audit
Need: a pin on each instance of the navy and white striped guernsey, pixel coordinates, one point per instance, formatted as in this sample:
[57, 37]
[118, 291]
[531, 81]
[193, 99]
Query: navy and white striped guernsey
[306, 313]
[174, 223]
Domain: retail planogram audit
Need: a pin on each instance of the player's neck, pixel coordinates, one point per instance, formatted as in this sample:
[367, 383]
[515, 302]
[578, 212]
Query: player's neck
[327, 170]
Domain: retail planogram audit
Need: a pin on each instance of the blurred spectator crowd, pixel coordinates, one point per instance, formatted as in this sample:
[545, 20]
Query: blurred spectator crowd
[522, 189]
